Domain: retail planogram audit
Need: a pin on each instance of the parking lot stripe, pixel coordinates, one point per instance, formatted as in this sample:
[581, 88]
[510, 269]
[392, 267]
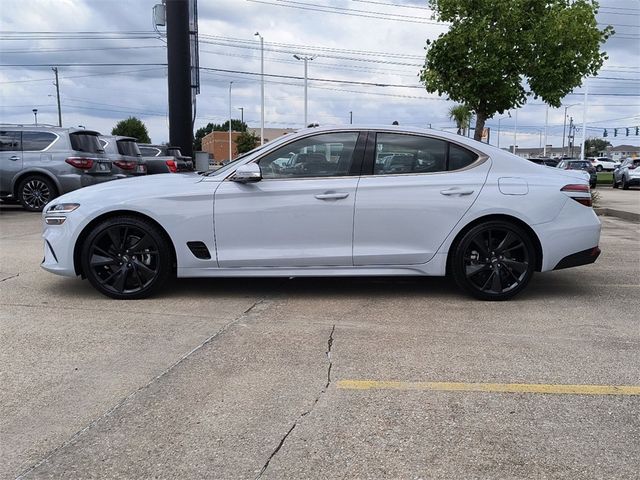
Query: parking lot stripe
[491, 387]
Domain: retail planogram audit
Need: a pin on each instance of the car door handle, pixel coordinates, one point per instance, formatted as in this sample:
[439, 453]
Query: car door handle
[14, 158]
[456, 191]
[332, 196]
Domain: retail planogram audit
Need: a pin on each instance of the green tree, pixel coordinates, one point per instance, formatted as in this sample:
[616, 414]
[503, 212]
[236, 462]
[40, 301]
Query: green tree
[593, 146]
[132, 127]
[236, 126]
[247, 141]
[497, 52]
[461, 114]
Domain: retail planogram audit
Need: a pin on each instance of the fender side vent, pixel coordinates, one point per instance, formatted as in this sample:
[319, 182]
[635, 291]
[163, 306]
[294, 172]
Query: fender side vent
[199, 250]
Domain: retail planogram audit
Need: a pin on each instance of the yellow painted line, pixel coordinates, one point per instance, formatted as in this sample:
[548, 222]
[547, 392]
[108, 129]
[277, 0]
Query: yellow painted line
[491, 387]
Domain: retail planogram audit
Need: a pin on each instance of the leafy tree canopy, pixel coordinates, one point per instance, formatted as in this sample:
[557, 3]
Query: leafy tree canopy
[236, 126]
[497, 52]
[247, 141]
[593, 146]
[132, 127]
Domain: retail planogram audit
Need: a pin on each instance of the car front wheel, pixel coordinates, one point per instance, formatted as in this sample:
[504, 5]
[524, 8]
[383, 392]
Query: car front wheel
[494, 261]
[625, 185]
[599, 168]
[126, 258]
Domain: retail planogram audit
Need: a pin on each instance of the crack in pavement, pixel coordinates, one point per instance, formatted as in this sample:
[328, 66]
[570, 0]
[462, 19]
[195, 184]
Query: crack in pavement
[307, 412]
[9, 278]
[166, 371]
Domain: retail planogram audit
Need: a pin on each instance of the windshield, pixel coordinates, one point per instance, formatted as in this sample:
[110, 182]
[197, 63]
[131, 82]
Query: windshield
[85, 142]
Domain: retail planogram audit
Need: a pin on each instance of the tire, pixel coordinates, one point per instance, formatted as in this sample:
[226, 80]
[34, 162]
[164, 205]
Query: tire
[126, 258]
[489, 249]
[599, 168]
[615, 184]
[35, 191]
[625, 185]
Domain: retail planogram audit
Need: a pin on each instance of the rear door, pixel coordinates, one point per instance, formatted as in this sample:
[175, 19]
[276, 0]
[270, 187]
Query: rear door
[10, 158]
[416, 191]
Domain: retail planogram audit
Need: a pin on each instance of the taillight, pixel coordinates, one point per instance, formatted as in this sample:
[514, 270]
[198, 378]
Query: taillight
[82, 163]
[578, 188]
[173, 167]
[125, 164]
[632, 167]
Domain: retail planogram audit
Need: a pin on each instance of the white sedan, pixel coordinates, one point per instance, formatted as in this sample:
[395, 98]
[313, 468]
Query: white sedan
[350, 201]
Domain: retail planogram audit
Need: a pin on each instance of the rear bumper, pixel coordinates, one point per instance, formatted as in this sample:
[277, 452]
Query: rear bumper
[585, 257]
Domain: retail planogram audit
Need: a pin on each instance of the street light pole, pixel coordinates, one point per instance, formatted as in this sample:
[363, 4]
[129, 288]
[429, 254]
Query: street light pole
[35, 115]
[241, 114]
[350, 118]
[306, 78]
[499, 120]
[546, 123]
[230, 153]
[584, 118]
[564, 125]
[261, 87]
[515, 132]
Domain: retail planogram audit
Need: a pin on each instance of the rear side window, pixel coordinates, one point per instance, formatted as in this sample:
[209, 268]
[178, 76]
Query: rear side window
[128, 147]
[85, 142]
[149, 151]
[37, 141]
[9, 141]
[401, 153]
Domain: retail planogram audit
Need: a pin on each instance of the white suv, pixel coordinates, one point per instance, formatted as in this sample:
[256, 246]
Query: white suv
[603, 163]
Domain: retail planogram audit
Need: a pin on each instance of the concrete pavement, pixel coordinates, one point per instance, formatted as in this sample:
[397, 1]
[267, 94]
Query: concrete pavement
[624, 204]
[235, 379]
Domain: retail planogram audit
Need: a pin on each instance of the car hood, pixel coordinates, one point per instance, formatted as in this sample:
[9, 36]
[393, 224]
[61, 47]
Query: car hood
[122, 190]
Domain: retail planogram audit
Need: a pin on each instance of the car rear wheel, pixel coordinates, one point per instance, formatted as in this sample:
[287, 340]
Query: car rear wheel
[625, 185]
[126, 258]
[35, 191]
[615, 184]
[599, 168]
[494, 261]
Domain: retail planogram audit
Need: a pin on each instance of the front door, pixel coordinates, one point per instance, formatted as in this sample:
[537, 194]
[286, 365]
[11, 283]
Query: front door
[300, 214]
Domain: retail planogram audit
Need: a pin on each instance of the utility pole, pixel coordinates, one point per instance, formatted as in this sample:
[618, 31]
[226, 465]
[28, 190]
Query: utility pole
[241, 114]
[230, 153]
[584, 118]
[261, 88]
[350, 118]
[571, 137]
[179, 75]
[57, 84]
[306, 78]
[546, 123]
[515, 132]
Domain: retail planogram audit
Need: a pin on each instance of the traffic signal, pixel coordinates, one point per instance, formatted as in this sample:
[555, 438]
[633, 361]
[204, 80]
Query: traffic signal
[637, 130]
[605, 134]
[627, 132]
[615, 132]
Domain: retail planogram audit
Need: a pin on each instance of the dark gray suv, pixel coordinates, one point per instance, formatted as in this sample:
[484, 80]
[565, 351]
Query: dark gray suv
[38, 163]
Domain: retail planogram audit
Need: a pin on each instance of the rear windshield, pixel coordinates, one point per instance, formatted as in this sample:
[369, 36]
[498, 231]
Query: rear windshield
[128, 147]
[85, 142]
[174, 151]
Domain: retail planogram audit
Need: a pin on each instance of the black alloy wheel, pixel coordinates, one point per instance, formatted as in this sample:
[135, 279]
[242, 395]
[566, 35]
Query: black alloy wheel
[126, 258]
[34, 192]
[494, 261]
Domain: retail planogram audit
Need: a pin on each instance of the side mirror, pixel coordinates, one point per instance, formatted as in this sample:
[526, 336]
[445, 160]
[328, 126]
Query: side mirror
[249, 172]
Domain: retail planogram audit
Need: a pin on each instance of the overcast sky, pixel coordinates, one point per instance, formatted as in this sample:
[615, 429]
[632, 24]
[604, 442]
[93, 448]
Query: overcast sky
[358, 41]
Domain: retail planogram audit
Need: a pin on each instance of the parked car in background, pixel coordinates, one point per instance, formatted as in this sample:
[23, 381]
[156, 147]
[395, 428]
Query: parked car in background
[124, 155]
[584, 165]
[603, 163]
[627, 174]
[486, 217]
[549, 162]
[177, 162]
[38, 163]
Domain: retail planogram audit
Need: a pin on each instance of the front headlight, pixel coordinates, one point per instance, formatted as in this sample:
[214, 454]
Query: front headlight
[63, 208]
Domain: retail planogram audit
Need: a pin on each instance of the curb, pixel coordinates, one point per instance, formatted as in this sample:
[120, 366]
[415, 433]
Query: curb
[610, 212]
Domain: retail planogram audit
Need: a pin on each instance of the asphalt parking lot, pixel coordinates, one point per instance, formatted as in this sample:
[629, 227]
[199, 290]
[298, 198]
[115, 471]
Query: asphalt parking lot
[320, 378]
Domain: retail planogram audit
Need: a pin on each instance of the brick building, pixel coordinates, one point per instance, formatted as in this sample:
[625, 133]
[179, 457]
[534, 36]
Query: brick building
[217, 145]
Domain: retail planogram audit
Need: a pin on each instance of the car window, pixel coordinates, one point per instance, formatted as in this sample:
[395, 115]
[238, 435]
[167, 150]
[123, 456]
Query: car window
[37, 141]
[9, 141]
[128, 147]
[324, 155]
[399, 153]
[85, 142]
[460, 157]
[149, 151]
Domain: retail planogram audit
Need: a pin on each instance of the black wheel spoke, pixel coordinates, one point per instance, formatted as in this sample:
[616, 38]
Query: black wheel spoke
[138, 277]
[519, 267]
[142, 244]
[101, 261]
[142, 268]
[508, 239]
[515, 247]
[120, 282]
[496, 283]
[114, 235]
[123, 245]
[473, 270]
[481, 247]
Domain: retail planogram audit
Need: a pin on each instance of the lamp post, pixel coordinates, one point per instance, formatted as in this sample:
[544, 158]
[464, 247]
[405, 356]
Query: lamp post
[515, 132]
[584, 118]
[241, 114]
[546, 123]
[230, 153]
[499, 120]
[306, 60]
[35, 115]
[261, 87]
[350, 118]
